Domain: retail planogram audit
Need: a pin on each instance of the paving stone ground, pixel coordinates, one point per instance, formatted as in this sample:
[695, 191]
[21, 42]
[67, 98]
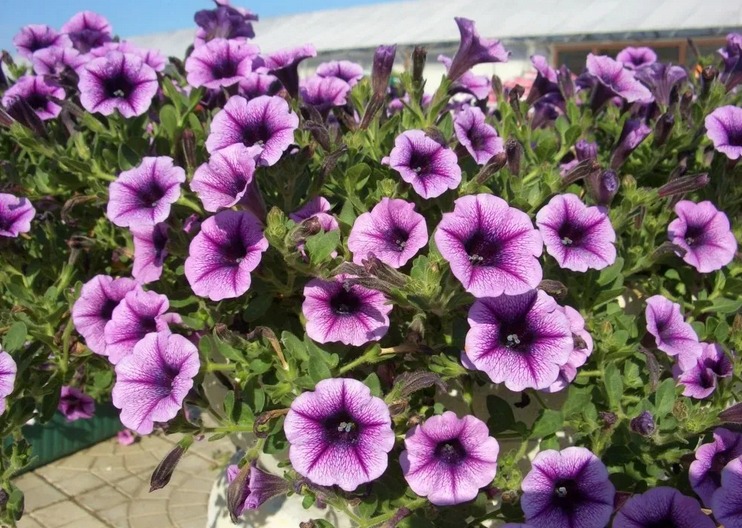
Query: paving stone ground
[107, 486]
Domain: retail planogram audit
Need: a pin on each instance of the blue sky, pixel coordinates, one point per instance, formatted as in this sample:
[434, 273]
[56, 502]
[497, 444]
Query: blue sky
[140, 17]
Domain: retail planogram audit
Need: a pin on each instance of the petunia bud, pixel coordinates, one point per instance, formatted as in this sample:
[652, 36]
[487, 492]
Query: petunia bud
[514, 95]
[564, 80]
[643, 424]
[398, 516]
[22, 112]
[307, 524]
[684, 184]
[376, 268]
[708, 74]
[164, 470]
[602, 186]
[609, 419]
[662, 128]
[585, 149]
[381, 70]
[686, 100]
[582, 170]
[514, 152]
[497, 86]
[419, 54]
[408, 383]
[237, 492]
[633, 134]
[5, 118]
[497, 162]
[732, 415]
[554, 288]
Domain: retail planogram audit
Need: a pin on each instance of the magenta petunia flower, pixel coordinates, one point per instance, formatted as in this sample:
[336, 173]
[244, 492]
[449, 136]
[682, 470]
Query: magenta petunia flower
[724, 129]
[662, 80]
[671, 333]
[150, 250]
[8, 370]
[337, 311]
[126, 437]
[117, 81]
[137, 314]
[727, 500]
[94, 308]
[614, 80]
[634, 58]
[284, 64]
[224, 253]
[577, 236]
[35, 37]
[474, 50]
[152, 381]
[261, 486]
[224, 181]
[567, 489]
[324, 93]
[634, 132]
[151, 58]
[142, 196]
[392, 231]
[662, 506]
[75, 404]
[448, 460]
[15, 215]
[520, 340]
[699, 377]
[579, 354]
[704, 233]
[492, 248]
[350, 72]
[711, 458]
[53, 61]
[255, 84]
[263, 122]
[479, 138]
[339, 434]
[318, 207]
[479, 86]
[36, 91]
[220, 62]
[87, 30]
[546, 79]
[430, 167]
[225, 22]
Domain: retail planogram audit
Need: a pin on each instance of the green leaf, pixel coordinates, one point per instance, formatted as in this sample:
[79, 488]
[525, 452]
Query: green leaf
[372, 382]
[169, 120]
[576, 400]
[127, 157]
[549, 422]
[609, 274]
[347, 214]
[308, 501]
[501, 414]
[613, 385]
[318, 371]
[257, 307]
[294, 347]
[321, 245]
[664, 398]
[724, 306]
[228, 351]
[16, 337]
[368, 507]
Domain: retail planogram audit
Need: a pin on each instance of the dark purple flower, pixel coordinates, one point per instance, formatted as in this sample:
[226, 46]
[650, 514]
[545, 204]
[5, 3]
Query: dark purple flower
[633, 133]
[75, 404]
[546, 79]
[284, 64]
[474, 50]
[448, 459]
[479, 138]
[727, 500]
[220, 62]
[53, 61]
[225, 22]
[36, 90]
[479, 86]
[338, 311]
[492, 248]
[35, 37]
[15, 215]
[339, 434]
[577, 236]
[579, 354]
[255, 84]
[392, 231]
[731, 74]
[602, 186]
[87, 30]
[261, 486]
[711, 458]
[264, 122]
[643, 424]
[614, 80]
[699, 376]
[224, 253]
[431, 168]
[704, 233]
[724, 129]
[520, 340]
[634, 58]
[150, 250]
[382, 69]
[567, 489]
[324, 93]
[94, 308]
[671, 333]
[223, 182]
[118, 81]
[662, 80]
[8, 371]
[585, 149]
[152, 381]
[547, 110]
[137, 314]
[142, 196]
[660, 507]
[347, 71]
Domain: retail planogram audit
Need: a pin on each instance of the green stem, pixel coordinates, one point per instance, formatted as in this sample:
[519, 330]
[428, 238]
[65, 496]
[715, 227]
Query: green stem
[213, 367]
[368, 357]
[590, 374]
[375, 521]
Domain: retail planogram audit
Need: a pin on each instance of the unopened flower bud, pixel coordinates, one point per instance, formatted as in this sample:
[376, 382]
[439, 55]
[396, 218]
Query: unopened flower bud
[732, 415]
[275, 224]
[497, 86]
[419, 55]
[708, 74]
[603, 186]
[408, 383]
[582, 170]
[514, 152]
[662, 128]
[164, 470]
[564, 80]
[22, 112]
[585, 149]
[634, 132]
[643, 424]
[609, 419]
[188, 144]
[307, 524]
[510, 497]
[514, 96]
[684, 184]
[554, 288]
[497, 162]
[381, 70]
[685, 103]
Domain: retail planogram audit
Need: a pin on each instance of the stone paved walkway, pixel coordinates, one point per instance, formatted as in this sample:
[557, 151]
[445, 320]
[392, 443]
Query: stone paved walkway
[107, 486]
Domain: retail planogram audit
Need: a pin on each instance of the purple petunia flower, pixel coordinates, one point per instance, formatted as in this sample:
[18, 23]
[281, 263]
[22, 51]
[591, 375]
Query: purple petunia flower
[474, 50]
[614, 80]
[75, 404]
[699, 377]
[324, 93]
[350, 72]
[431, 168]
[724, 129]
[36, 90]
[577, 236]
[225, 22]
[150, 250]
[579, 354]
[567, 489]
[479, 86]
[142, 196]
[671, 333]
[118, 81]
[479, 138]
[392, 231]
[661, 506]
[225, 180]
[263, 122]
[339, 434]
[151, 58]
[336, 310]
[53, 61]
[318, 207]
[220, 62]
[8, 371]
[152, 382]
[137, 314]
[255, 84]
[15, 215]
[662, 80]
[727, 500]
[221, 257]
[634, 58]
[284, 64]
[35, 37]
[94, 308]
[261, 486]
[546, 79]
[448, 459]
[711, 458]
[87, 30]
[521, 340]
[633, 133]
[126, 437]
[704, 233]
[492, 248]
